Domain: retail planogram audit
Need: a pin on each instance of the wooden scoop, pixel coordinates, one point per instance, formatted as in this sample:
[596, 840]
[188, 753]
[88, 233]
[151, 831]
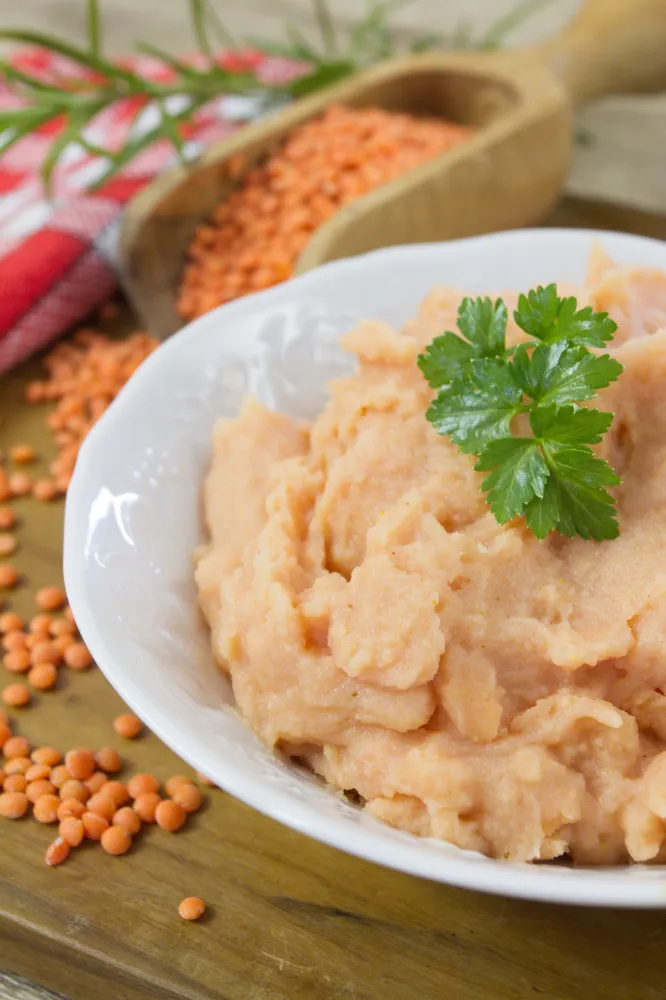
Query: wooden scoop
[508, 174]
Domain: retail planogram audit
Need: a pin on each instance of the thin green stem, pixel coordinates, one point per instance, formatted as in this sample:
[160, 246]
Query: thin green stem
[198, 13]
[326, 26]
[94, 29]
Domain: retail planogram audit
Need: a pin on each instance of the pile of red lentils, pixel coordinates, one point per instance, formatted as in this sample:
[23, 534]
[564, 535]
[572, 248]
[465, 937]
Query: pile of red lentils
[257, 234]
[78, 791]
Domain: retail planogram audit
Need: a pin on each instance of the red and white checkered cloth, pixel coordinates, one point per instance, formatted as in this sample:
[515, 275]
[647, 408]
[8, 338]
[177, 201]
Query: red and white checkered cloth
[57, 258]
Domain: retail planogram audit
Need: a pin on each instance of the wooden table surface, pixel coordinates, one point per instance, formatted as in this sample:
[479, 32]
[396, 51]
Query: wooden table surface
[287, 919]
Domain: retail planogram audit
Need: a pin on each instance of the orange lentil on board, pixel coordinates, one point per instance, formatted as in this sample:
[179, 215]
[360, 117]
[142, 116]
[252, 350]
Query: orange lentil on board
[50, 599]
[43, 677]
[127, 726]
[116, 840]
[109, 760]
[16, 695]
[8, 577]
[257, 234]
[191, 908]
[7, 518]
[128, 818]
[57, 852]
[84, 375]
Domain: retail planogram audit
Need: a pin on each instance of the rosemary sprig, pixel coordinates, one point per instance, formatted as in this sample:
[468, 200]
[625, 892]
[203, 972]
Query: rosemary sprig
[77, 101]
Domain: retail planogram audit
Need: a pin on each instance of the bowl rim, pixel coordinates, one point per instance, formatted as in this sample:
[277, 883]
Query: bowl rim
[598, 886]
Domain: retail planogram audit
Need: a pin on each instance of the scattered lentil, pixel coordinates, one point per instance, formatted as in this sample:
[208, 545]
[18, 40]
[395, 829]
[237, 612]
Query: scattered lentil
[57, 852]
[72, 830]
[117, 840]
[50, 598]
[7, 518]
[77, 656]
[22, 454]
[96, 780]
[17, 746]
[8, 577]
[127, 726]
[140, 784]
[43, 676]
[169, 815]
[13, 805]
[146, 806]
[45, 809]
[46, 755]
[15, 783]
[128, 818]
[101, 805]
[71, 807]
[72, 789]
[60, 775]
[20, 484]
[17, 660]
[191, 908]
[94, 825]
[188, 797]
[81, 763]
[109, 760]
[38, 789]
[118, 792]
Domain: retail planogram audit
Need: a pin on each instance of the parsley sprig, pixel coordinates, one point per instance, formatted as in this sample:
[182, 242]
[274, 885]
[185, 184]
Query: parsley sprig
[552, 476]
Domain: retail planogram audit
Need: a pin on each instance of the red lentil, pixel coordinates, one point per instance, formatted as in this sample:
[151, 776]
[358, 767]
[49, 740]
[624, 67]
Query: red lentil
[146, 806]
[191, 908]
[116, 840]
[140, 784]
[13, 805]
[77, 656]
[57, 852]
[45, 809]
[109, 760]
[169, 815]
[50, 598]
[128, 818]
[8, 577]
[16, 695]
[81, 763]
[127, 726]
[43, 677]
[17, 746]
[188, 797]
[257, 234]
[72, 830]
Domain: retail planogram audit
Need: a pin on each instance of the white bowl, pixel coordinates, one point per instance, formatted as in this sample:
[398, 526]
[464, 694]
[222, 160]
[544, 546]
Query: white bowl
[134, 517]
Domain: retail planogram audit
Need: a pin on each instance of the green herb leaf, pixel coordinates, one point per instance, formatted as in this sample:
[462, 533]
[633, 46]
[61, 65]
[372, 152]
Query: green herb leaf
[544, 315]
[448, 358]
[580, 480]
[519, 475]
[478, 409]
[554, 478]
[557, 373]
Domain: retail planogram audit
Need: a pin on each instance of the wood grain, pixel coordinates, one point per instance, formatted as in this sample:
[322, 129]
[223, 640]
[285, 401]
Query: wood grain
[288, 919]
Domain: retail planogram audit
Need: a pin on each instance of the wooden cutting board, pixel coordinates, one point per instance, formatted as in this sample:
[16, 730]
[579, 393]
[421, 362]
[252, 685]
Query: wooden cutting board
[288, 918]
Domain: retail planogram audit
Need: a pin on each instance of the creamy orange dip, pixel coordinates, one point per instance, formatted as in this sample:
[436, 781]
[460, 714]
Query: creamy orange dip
[466, 680]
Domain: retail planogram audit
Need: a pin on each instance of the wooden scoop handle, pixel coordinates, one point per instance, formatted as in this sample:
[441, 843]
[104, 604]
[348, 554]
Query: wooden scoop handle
[612, 47]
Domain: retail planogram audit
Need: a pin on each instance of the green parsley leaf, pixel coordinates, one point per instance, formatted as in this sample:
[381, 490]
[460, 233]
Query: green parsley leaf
[478, 409]
[519, 474]
[566, 425]
[579, 480]
[483, 323]
[556, 373]
[448, 357]
[544, 315]
[553, 479]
